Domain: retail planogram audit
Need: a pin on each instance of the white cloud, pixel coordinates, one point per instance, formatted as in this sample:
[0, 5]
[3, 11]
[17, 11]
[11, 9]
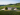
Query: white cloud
[8, 1]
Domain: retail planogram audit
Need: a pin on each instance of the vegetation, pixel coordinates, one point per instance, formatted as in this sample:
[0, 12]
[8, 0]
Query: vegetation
[12, 5]
[9, 13]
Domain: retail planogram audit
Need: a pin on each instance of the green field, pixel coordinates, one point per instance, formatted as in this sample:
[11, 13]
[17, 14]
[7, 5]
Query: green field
[10, 6]
[9, 13]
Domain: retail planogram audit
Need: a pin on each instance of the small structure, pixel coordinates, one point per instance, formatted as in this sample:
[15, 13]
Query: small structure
[3, 8]
[15, 8]
[9, 8]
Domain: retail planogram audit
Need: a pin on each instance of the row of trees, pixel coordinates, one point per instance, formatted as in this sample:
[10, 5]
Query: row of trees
[15, 4]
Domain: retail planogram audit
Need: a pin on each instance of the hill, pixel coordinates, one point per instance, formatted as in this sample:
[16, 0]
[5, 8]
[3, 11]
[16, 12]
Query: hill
[2, 5]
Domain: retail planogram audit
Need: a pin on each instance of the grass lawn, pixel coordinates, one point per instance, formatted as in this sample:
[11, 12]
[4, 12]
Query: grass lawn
[9, 12]
[9, 6]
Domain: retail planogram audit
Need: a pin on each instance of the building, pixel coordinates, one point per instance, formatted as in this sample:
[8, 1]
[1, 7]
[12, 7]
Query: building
[15, 8]
[9, 8]
[3, 8]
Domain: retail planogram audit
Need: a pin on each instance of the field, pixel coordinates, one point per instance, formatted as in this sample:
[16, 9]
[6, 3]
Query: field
[9, 13]
[10, 6]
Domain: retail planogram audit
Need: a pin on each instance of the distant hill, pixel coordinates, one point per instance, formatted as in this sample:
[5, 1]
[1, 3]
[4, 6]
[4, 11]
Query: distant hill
[2, 5]
[18, 4]
[10, 4]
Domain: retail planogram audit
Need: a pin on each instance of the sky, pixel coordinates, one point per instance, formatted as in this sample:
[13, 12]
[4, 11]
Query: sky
[5, 2]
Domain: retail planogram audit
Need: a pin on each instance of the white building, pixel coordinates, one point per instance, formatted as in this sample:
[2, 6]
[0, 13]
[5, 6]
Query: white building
[15, 8]
[9, 8]
[3, 8]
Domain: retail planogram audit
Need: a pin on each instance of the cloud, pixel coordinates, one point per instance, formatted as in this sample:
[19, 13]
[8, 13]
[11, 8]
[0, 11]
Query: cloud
[8, 1]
